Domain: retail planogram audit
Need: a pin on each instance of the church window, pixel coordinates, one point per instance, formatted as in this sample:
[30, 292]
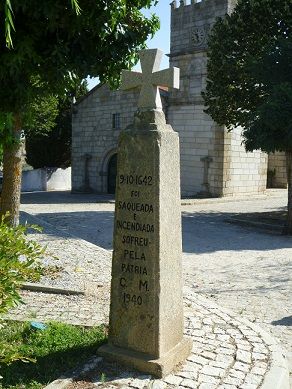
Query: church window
[116, 121]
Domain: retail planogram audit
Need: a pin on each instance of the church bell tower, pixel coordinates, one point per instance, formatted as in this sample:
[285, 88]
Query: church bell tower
[209, 154]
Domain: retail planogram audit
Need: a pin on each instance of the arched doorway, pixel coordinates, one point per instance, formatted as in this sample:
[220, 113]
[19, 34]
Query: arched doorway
[112, 174]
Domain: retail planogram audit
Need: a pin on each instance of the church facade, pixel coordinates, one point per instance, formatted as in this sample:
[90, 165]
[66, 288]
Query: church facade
[213, 160]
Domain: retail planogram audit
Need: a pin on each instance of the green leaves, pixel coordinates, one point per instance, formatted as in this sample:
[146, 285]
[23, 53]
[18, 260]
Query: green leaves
[9, 25]
[18, 258]
[55, 39]
[75, 6]
[6, 126]
[48, 136]
[40, 116]
[249, 59]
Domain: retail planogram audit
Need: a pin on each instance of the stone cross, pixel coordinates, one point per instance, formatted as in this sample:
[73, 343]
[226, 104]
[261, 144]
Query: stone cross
[150, 78]
[146, 311]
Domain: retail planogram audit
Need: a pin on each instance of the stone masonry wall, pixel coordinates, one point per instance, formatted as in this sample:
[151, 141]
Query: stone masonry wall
[244, 173]
[277, 176]
[93, 136]
[94, 140]
[213, 161]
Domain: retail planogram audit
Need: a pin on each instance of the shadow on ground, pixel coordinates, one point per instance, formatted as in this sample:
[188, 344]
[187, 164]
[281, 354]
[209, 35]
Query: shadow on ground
[208, 232]
[285, 321]
[64, 197]
[94, 227]
[46, 369]
[203, 232]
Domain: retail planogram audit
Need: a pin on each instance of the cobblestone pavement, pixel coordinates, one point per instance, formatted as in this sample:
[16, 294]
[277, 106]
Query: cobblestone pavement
[227, 353]
[242, 269]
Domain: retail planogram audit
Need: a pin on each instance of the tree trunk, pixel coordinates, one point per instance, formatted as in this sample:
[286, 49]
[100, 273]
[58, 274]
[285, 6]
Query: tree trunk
[288, 228]
[12, 171]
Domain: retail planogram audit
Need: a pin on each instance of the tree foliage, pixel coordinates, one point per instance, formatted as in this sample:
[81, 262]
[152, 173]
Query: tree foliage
[18, 259]
[249, 80]
[249, 77]
[45, 46]
[51, 147]
[53, 44]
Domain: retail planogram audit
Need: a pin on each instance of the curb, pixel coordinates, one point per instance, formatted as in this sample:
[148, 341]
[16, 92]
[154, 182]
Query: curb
[211, 200]
[218, 200]
[49, 289]
[276, 229]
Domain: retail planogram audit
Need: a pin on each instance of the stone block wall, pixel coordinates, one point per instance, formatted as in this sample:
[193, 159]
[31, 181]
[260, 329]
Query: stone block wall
[277, 176]
[196, 132]
[94, 140]
[213, 161]
[201, 139]
[191, 22]
[244, 173]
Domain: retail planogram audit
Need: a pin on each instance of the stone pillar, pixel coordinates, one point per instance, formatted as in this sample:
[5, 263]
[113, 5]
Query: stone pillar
[146, 313]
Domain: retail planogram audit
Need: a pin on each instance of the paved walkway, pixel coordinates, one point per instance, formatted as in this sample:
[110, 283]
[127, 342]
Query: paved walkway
[228, 353]
[242, 269]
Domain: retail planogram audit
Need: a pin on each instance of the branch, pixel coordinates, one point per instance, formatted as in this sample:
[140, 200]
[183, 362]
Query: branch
[9, 24]
[76, 7]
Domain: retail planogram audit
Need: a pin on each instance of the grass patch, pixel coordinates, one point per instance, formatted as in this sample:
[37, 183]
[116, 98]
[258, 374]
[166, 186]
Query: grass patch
[58, 348]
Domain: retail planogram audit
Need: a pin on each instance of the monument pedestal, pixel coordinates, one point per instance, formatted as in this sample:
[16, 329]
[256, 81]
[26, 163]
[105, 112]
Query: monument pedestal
[146, 312]
[157, 367]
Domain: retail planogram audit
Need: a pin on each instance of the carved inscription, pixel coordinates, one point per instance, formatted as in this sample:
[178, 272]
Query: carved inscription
[135, 221]
[130, 179]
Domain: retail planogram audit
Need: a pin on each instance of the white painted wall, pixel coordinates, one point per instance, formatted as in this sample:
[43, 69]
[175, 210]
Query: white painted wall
[46, 180]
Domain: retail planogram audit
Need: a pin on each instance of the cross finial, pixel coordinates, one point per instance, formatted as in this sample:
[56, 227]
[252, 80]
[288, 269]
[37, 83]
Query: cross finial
[150, 78]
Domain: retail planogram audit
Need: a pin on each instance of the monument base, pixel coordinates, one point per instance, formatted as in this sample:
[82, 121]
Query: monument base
[140, 361]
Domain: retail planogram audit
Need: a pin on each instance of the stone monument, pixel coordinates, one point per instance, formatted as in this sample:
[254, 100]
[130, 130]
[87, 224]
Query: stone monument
[146, 311]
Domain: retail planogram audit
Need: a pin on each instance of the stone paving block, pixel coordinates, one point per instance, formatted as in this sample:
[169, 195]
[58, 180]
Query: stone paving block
[258, 370]
[237, 374]
[207, 386]
[248, 386]
[227, 359]
[225, 351]
[220, 364]
[253, 379]
[241, 366]
[233, 381]
[208, 379]
[187, 383]
[173, 380]
[244, 347]
[198, 359]
[243, 356]
[213, 371]
[138, 383]
[259, 357]
[208, 355]
[157, 384]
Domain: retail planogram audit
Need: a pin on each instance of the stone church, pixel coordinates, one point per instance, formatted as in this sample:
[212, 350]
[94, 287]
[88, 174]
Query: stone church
[213, 160]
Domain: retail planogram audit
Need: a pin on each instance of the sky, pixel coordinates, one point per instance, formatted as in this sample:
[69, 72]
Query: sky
[161, 38]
